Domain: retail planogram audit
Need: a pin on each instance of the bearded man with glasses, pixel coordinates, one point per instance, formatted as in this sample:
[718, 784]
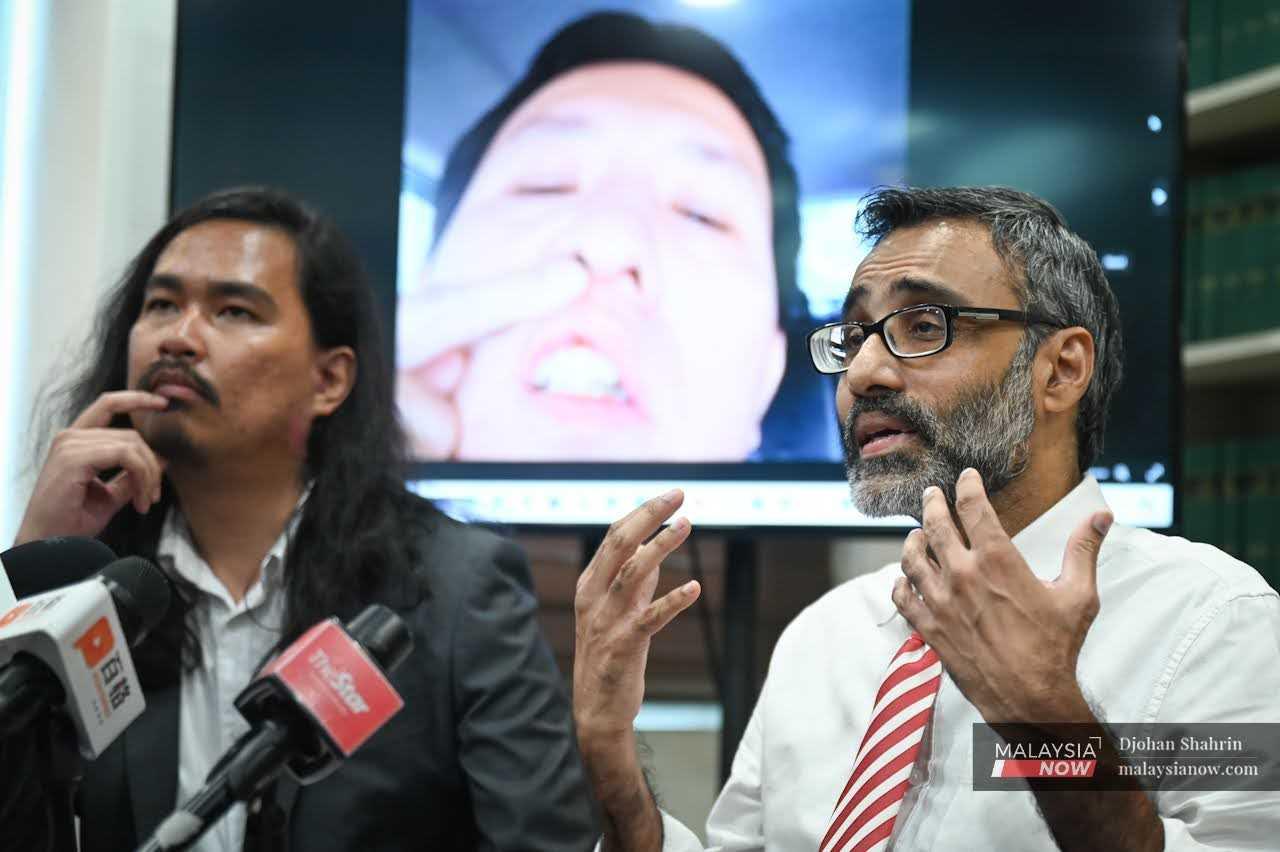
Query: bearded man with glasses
[977, 354]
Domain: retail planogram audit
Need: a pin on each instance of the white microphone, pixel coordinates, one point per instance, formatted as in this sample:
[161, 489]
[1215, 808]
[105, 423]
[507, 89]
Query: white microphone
[69, 649]
[7, 598]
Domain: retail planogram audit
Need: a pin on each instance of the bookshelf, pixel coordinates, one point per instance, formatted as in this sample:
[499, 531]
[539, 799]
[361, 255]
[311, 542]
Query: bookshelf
[1224, 112]
[1218, 117]
[1231, 364]
[1241, 360]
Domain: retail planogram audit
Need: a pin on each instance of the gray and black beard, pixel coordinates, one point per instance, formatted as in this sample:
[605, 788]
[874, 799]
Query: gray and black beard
[986, 428]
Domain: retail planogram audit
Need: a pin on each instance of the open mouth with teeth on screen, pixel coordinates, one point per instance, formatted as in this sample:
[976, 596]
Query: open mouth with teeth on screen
[580, 371]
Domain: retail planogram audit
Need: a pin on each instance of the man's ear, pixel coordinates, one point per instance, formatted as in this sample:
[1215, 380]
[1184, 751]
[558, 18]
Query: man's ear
[1067, 361]
[335, 376]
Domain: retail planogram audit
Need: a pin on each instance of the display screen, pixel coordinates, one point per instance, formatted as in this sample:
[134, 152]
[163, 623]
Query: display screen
[606, 264]
[595, 299]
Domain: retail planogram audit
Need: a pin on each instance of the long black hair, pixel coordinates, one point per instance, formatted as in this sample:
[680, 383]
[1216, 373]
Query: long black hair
[355, 538]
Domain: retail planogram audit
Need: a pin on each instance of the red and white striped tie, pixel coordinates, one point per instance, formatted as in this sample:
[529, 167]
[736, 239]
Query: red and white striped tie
[863, 817]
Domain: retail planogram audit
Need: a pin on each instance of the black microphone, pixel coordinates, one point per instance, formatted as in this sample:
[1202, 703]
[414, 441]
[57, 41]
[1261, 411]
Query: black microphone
[68, 648]
[52, 563]
[309, 708]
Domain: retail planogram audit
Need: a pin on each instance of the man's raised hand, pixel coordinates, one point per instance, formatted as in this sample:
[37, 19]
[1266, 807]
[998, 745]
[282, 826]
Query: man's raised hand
[616, 616]
[69, 498]
[1009, 640]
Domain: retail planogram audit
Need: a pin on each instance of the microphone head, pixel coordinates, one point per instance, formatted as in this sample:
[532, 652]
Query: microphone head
[141, 593]
[42, 566]
[383, 634]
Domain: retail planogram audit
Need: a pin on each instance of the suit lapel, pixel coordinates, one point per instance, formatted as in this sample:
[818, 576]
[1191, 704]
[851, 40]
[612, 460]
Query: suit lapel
[151, 759]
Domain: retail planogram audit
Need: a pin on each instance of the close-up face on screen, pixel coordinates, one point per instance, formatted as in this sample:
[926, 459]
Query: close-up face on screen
[614, 236]
[619, 225]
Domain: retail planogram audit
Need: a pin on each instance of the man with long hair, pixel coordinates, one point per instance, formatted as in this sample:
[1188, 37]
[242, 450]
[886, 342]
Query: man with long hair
[235, 423]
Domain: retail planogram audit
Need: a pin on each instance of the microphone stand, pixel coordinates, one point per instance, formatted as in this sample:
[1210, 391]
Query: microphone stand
[260, 755]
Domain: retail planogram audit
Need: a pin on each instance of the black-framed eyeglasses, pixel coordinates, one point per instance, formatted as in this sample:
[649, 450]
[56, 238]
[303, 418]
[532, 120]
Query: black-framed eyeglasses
[911, 332]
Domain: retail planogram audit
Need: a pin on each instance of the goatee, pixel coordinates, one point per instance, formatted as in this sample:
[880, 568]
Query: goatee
[987, 428]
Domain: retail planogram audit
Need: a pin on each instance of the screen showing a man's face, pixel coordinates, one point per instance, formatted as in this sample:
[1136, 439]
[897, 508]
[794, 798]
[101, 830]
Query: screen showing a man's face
[639, 195]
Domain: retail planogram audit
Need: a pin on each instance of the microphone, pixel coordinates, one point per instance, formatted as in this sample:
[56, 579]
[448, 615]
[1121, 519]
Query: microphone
[309, 708]
[69, 649]
[52, 563]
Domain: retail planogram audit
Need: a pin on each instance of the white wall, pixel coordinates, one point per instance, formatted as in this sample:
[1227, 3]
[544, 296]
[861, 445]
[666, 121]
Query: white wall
[96, 180]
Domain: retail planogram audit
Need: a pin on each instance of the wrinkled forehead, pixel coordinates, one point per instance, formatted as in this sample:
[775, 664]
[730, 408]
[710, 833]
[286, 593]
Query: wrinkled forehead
[947, 261]
[680, 112]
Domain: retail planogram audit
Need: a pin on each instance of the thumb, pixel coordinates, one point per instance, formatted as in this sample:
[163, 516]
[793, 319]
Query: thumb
[1080, 562]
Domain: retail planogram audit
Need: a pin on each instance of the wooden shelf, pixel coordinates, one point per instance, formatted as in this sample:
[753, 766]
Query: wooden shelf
[1234, 109]
[1245, 359]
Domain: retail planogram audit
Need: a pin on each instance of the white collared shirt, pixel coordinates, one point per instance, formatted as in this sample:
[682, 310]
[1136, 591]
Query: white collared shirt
[234, 639]
[1185, 634]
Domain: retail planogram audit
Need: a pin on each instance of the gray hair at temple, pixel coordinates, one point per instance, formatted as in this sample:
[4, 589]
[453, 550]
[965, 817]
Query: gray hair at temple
[1056, 275]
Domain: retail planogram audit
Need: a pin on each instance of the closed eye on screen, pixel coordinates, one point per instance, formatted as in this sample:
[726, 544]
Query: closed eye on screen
[701, 217]
[544, 189]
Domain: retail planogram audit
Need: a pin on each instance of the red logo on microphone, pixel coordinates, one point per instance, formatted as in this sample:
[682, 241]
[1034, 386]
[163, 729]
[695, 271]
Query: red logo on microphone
[333, 678]
[14, 614]
[96, 642]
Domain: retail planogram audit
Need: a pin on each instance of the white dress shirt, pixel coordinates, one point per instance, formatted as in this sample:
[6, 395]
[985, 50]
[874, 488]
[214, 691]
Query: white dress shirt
[1185, 634]
[234, 639]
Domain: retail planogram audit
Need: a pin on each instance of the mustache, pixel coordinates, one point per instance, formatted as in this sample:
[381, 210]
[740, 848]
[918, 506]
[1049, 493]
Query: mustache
[897, 405]
[201, 386]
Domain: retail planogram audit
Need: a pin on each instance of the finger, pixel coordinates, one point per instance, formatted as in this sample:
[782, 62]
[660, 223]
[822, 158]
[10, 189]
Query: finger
[96, 450]
[658, 614]
[665, 542]
[635, 583]
[147, 463]
[117, 491]
[105, 408]
[1080, 561]
[655, 551]
[912, 608]
[443, 373]
[625, 537]
[430, 420]
[144, 474]
[981, 525]
[938, 528]
[122, 489]
[439, 318]
[919, 567]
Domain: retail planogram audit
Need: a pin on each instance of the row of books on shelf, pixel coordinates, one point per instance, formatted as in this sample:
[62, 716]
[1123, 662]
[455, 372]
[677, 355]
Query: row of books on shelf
[1228, 38]
[1232, 500]
[1231, 253]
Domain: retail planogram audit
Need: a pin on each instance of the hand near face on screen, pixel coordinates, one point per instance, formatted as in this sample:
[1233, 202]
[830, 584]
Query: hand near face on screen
[1008, 639]
[435, 327]
[69, 497]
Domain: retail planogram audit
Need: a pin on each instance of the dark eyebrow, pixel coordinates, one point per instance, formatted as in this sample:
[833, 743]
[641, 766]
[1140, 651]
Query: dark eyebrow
[223, 289]
[931, 291]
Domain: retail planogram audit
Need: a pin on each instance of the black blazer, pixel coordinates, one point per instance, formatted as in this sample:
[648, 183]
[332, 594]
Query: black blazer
[481, 757]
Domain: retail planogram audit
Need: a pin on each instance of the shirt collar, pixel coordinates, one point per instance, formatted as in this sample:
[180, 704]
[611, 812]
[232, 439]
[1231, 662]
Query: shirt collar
[177, 552]
[1042, 542]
